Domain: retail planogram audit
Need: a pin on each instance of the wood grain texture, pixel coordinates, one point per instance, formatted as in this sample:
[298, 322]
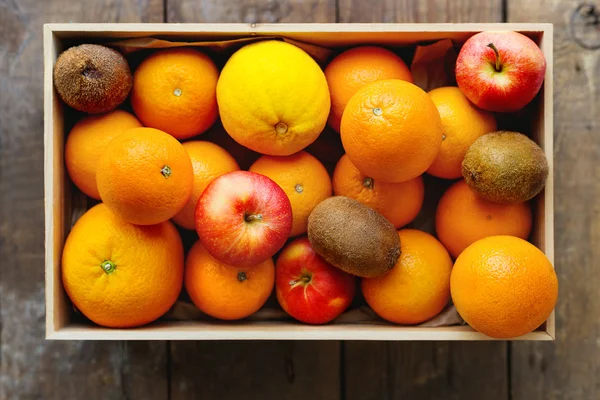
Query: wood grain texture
[570, 367]
[31, 368]
[412, 370]
[251, 11]
[420, 11]
[254, 370]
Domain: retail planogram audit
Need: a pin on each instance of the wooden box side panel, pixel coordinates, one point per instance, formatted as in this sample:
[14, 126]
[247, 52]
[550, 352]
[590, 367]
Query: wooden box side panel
[545, 221]
[55, 198]
[330, 35]
[542, 132]
[188, 330]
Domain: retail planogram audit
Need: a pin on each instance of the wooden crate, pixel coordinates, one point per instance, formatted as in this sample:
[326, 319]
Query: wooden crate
[58, 196]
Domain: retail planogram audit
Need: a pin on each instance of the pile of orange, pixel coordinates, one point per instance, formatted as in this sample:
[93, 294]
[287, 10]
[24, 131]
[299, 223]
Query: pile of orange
[124, 264]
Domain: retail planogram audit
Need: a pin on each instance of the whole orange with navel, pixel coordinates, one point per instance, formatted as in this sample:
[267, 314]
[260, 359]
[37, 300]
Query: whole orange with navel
[86, 142]
[400, 202]
[303, 178]
[174, 90]
[118, 274]
[208, 161]
[391, 130]
[463, 123]
[273, 98]
[356, 67]
[503, 286]
[223, 291]
[145, 176]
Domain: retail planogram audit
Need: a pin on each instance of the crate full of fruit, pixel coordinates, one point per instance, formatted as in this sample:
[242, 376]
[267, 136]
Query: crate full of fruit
[299, 181]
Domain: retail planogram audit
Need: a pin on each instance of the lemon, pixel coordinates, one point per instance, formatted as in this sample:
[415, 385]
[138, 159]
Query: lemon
[273, 98]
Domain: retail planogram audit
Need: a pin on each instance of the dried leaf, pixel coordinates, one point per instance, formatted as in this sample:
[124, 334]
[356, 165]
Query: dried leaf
[127, 46]
[433, 65]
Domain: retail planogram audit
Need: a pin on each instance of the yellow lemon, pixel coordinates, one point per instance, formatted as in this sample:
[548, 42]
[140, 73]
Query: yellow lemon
[273, 98]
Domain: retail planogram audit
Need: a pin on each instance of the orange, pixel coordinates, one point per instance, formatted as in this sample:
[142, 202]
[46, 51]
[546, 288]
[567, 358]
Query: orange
[463, 123]
[86, 142]
[223, 291]
[174, 90]
[145, 176]
[418, 287]
[462, 218]
[273, 98]
[356, 67]
[121, 275]
[398, 202]
[391, 130]
[209, 161]
[303, 178]
[503, 286]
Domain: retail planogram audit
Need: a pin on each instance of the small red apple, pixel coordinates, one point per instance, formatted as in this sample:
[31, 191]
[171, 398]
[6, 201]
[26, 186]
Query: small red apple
[243, 218]
[308, 288]
[500, 71]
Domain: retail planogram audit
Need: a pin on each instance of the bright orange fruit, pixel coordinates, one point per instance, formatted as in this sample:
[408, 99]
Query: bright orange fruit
[122, 275]
[223, 291]
[504, 286]
[398, 202]
[174, 90]
[391, 130]
[303, 178]
[356, 67]
[418, 287]
[463, 123]
[209, 161]
[462, 218]
[85, 146]
[145, 176]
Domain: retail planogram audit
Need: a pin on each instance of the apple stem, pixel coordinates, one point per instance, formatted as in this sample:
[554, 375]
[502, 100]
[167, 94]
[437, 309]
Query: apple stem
[253, 217]
[303, 279]
[493, 47]
[241, 276]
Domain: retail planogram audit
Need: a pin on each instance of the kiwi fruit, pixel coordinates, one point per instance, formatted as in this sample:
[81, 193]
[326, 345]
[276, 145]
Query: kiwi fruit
[92, 78]
[505, 167]
[353, 237]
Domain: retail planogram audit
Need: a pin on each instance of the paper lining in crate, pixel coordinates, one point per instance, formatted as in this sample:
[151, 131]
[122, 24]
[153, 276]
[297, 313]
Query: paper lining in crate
[432, 49]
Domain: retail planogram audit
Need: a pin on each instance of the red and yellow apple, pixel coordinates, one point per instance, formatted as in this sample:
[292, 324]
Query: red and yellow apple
[243, 218]
[500, 71]
[308, 288]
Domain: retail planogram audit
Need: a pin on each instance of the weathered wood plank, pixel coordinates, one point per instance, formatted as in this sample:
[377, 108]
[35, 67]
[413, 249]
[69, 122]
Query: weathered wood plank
[424, 370]
[420, 11]
[570, 367]
[455, 370]
[262, 370]
[32, 368]
[255, 370]
[251, 11]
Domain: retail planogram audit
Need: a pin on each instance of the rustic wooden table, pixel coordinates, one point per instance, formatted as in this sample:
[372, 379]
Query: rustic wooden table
[32, 368]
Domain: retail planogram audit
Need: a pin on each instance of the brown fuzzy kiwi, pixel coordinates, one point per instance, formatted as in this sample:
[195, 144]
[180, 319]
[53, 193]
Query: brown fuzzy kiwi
[92, 78]
[353, 237]
[505, 167]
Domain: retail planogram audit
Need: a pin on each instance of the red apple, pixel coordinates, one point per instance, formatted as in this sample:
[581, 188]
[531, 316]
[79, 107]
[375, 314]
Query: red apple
[243, 218]
[308, 288]
[500, 71]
